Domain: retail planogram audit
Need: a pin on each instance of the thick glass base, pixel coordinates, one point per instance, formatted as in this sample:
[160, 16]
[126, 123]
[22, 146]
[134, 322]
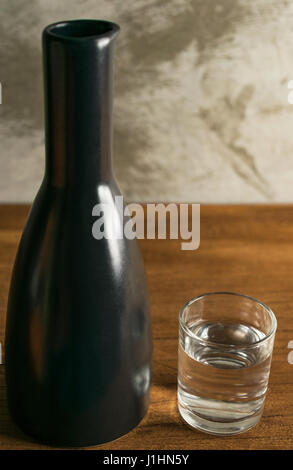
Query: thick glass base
[219, 418]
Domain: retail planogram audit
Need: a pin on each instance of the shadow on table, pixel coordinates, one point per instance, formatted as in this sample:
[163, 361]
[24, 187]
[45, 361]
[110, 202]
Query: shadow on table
[165, 378]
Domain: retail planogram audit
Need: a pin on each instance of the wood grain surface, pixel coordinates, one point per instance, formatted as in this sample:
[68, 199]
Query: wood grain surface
[247, 249]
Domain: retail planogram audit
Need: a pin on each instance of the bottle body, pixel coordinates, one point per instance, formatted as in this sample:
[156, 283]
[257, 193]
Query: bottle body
[78, 335]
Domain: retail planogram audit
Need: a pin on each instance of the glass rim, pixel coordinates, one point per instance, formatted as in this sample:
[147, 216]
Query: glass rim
[271, 332]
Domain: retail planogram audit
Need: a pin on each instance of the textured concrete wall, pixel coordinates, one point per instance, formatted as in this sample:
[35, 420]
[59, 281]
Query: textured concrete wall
[201, 110]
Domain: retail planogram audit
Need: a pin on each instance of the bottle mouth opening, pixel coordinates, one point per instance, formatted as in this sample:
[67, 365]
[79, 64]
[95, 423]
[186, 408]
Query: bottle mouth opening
[82, 29]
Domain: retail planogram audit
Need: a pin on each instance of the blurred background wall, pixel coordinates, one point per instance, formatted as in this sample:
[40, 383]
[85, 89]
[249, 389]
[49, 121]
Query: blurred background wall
[201, 97]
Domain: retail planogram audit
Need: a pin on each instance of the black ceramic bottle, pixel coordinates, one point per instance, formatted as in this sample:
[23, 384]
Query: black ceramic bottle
[78, 336]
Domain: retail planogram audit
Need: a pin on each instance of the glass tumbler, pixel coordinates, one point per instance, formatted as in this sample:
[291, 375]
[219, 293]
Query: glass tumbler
[225, 349]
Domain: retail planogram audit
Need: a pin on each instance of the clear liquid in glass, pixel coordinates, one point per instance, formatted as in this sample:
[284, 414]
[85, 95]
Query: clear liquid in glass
[221, 390]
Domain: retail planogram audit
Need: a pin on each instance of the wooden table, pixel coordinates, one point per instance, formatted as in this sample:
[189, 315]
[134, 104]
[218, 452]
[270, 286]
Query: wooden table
[247, 249]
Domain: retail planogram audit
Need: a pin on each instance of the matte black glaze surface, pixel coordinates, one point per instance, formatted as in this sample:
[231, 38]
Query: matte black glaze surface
[78, 336]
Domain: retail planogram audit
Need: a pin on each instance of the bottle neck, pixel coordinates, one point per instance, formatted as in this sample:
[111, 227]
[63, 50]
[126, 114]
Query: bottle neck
[78, 83]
